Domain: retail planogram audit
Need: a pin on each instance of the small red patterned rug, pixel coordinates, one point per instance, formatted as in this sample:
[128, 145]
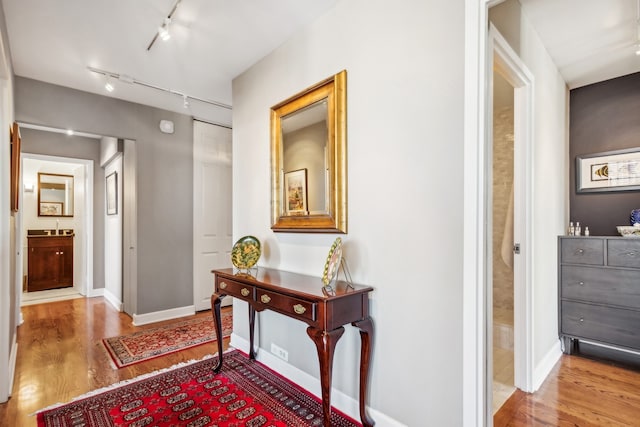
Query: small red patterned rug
[243, 393]
[146, 344]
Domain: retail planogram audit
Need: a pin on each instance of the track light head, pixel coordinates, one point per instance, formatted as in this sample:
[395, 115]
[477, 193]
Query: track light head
[163, 31]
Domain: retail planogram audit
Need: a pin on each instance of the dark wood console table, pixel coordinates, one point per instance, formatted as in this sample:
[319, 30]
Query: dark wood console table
[303, 297]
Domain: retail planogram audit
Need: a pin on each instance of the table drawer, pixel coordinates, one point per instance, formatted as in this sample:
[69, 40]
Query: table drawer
[615, 326]
[624, 253]
[296, 307]
[583, 251]
[235, 289]
[601, 285]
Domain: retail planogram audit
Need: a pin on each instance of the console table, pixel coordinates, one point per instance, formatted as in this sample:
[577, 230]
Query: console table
[303, 298]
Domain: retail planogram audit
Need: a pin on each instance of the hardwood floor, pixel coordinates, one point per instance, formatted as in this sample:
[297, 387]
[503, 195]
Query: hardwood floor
[60, 355]
[578, 392]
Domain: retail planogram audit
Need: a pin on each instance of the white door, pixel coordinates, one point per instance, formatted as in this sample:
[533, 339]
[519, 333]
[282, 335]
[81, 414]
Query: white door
[211, 208]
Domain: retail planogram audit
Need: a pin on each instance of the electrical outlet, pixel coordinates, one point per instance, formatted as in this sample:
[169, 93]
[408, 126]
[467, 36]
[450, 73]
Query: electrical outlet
[280, 352]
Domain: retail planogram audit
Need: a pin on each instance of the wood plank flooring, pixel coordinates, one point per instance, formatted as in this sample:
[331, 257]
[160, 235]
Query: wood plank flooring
[60, 355]
[578, 392]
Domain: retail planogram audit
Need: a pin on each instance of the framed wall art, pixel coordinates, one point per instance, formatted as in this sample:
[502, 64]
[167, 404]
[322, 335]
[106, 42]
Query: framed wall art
[609, 171]
[112, 193]
[295, 187]
[14, 138]
[50, 209]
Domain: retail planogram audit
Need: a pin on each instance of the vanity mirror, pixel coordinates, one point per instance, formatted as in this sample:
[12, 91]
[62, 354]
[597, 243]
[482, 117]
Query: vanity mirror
[309, 159]
[55, 195]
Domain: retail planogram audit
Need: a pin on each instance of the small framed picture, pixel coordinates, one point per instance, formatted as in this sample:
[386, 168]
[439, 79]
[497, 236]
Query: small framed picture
[112, 193]
[295, 187]
[609, 171]
[50, 209]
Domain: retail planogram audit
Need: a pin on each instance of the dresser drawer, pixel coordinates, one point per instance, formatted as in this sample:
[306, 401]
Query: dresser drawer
[601, 285]
[583, 251]
[300, 308]
[615, 326]
[624, 253]
[235, 289]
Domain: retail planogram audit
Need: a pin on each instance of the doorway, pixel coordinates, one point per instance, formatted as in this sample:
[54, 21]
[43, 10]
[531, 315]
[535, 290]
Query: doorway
[81, 222]
[509, 200]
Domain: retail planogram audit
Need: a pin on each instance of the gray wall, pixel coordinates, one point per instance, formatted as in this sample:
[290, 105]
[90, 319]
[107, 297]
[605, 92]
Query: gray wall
[604, 117]
[61, 145]
[164, 180]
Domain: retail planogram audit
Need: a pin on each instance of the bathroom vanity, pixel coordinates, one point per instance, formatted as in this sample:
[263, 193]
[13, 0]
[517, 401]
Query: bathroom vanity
[50, 260]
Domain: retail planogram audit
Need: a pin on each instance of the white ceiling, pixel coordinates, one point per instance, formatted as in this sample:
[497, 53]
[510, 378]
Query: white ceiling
[214, 41]
[589, 40]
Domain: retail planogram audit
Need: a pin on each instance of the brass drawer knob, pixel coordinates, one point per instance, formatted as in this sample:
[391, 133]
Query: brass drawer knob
[223, 285]
[299, 309]
[265, 299]
[245, 292]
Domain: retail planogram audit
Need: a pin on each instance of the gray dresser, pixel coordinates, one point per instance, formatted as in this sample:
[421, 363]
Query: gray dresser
[599, 291]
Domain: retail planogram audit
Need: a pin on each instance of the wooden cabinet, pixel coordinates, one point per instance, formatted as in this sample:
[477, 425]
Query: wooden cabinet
[599, 291]
[50, 262]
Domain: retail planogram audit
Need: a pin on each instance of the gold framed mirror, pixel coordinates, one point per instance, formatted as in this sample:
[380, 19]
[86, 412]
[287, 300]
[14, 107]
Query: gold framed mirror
[55, 194]
[309, 159]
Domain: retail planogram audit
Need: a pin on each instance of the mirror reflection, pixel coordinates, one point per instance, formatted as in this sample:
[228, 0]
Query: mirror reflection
[304, 145]
[55, 195]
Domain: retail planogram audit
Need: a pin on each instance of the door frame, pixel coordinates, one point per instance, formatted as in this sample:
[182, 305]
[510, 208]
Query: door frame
[505, 60]
[475, 386]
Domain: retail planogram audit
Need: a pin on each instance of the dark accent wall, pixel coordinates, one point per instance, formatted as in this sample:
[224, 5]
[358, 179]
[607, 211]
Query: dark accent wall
[603, 117]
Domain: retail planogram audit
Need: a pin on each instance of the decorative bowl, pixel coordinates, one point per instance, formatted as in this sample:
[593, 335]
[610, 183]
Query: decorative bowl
[246, 252]
[629, 231]
[634, 218]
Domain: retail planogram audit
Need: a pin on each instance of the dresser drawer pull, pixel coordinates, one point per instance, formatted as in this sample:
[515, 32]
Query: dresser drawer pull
[631, 254]
[223, 285]
[581, 319]
[299, 309]
[245, 292]
[265, 299]
[581, 283]
[580, 251]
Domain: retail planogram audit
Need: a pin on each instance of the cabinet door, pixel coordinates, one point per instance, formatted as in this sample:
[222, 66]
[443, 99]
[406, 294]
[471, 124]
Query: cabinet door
[43, 268]
[65, 266]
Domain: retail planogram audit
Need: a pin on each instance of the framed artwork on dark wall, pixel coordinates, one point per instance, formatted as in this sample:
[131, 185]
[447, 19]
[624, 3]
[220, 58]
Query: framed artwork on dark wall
[608, 171]
[112, 193]
[14, 138]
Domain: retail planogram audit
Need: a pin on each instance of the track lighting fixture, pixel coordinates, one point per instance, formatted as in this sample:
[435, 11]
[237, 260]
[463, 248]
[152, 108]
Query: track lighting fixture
[163, 30]
[124, 78]
[108, 86]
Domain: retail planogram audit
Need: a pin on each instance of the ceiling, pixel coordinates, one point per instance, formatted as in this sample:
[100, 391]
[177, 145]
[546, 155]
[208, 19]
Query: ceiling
[213, 41]
[589, 40]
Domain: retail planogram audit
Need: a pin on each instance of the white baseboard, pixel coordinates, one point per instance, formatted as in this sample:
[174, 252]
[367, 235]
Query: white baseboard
[158, 316]
[542, 370]
[95, 292]
[339, 400]
[112, 299]
[12, 361]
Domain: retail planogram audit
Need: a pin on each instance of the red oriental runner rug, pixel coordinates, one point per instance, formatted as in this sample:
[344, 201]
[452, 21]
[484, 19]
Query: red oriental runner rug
[146, 344]
[243, 393]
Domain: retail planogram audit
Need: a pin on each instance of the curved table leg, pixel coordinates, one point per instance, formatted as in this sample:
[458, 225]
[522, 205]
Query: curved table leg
[366, 338]
[325, 343]
[217, 324]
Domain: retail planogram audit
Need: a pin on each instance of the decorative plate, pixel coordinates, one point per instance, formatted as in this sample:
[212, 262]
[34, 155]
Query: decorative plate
[246, 252]
[333, 262]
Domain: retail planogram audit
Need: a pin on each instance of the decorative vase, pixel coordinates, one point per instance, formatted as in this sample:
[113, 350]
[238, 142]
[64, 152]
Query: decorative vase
[634, 218]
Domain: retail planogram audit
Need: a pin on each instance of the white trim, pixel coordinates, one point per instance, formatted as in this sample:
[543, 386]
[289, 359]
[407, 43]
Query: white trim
[159, 316]
[339, 400]
[12, 362]
[503, 58]
[95, 293]
[112, 299]
[546, 365]
[86, 281]
[474, 363]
